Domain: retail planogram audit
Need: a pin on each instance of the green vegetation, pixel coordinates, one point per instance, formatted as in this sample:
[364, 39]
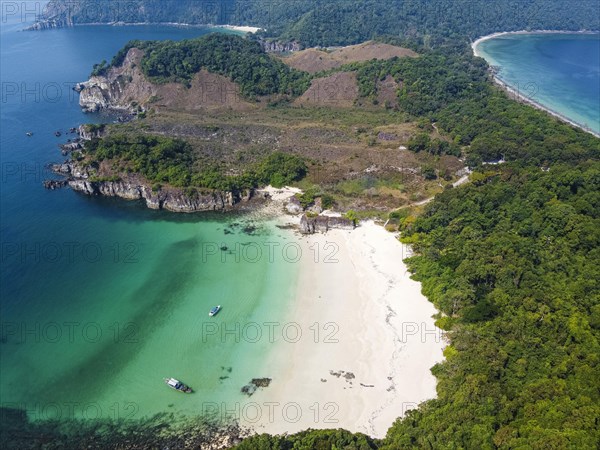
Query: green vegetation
[512, 263]
[341, 22]
[100, 69]
[311, 194]
[279, 169]
[423, 143]
[158, 159]
[170, 161]
[451, 88]
[95, 127]
[242, 60]
[309, 440]
[351, 215]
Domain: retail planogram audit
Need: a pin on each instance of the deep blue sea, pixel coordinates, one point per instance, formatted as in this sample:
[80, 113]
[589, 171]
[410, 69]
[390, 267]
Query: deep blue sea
[560, 71]
[102, 298]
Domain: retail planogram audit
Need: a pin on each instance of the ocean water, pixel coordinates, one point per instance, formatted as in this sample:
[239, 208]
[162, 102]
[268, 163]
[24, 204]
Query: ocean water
[100, 299]
[559, 71]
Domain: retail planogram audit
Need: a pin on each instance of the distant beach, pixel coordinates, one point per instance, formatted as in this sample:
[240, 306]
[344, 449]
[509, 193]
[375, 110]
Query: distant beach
[238, 28]
[517, 93]
[243, 29]
[478, 41]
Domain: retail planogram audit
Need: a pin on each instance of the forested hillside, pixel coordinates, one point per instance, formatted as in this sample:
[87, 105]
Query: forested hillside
[242, 60]
[340, 22]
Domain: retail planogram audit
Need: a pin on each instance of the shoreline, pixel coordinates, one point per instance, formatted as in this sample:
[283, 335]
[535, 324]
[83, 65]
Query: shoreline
[368, 337]
[481, 39]
[238, 28]
[520, 96]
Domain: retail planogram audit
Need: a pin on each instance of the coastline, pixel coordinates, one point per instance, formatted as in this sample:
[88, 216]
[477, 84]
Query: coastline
[478, 41]
[519, 96]
[368, 337]
[238, 28]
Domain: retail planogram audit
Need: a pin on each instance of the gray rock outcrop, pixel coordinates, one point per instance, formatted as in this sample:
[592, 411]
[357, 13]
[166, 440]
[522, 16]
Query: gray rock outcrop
[170, 199]
[322, 224]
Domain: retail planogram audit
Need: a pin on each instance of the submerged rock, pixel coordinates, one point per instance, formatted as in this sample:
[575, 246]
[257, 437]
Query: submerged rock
[261, 382]
[55, 184]
[251, 387]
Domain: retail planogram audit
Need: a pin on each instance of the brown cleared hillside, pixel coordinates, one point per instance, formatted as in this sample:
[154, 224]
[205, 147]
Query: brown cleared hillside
[314, 60]
[337, 90]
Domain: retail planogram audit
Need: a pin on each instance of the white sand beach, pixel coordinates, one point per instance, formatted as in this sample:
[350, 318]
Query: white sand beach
[243, 29]
[367, 339]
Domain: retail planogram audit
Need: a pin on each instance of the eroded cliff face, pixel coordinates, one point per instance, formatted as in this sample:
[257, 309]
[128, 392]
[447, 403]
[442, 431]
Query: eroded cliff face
[125, 88]
[132, 187]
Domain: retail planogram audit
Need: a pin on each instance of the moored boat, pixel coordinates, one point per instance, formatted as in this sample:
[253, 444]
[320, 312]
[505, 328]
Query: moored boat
[214, 311]
[178, 385]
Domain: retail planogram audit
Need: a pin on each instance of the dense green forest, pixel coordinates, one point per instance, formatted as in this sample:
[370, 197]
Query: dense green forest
[340, 22]
[512, 263]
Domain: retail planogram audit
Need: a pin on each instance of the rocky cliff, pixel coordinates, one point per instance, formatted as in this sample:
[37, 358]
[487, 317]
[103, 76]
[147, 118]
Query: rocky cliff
[132, 187]
[125, 88]
[122, 88]
[48, 24]
[54, 14]
[280, 47]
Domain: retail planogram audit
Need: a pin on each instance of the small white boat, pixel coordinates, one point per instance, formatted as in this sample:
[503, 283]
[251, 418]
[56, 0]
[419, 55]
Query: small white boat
[213, 312]
[178, 385]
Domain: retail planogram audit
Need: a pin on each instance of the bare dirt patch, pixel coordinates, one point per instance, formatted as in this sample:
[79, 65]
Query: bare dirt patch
[207, 91]
[387, 92]
[315, 60]
[337, 90]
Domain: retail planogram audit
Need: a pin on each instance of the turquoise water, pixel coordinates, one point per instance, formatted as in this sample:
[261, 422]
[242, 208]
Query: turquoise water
[560, 71]
[102, 298]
